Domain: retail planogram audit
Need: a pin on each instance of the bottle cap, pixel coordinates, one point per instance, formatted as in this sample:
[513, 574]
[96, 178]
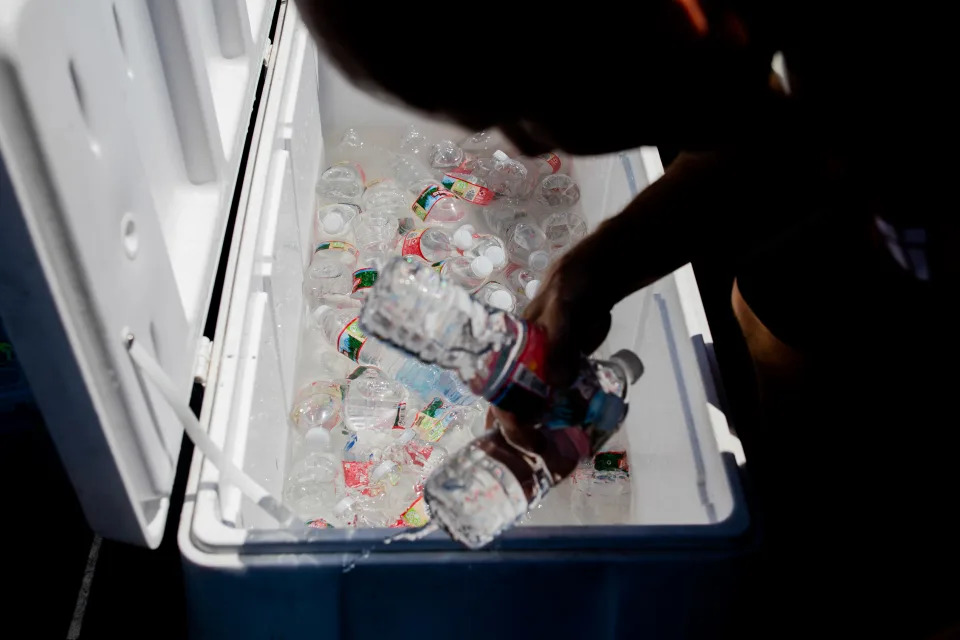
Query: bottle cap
[501, 156]
[539, 260]
[531, 288]
[463, 237]
[496, 256]
[630, 362]
[333, 222]
[317, 438]
[501, 300]
[481, 266]
[384, 469]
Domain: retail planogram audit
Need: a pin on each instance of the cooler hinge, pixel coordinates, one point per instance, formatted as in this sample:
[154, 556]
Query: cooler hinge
[201, 366]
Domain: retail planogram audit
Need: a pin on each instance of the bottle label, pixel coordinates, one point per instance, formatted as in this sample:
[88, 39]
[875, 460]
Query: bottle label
[351, 340]
[364, 278]
[337, 245]
[356, 473]
[466, 190]
[419, 453]
[416, 514]
[427, 199]
[411, 244]
[319, 523]
[429, 423]
[551, 159]
[523, 391]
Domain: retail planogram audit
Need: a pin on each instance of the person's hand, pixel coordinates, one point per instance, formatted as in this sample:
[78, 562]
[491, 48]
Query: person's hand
[571, 308]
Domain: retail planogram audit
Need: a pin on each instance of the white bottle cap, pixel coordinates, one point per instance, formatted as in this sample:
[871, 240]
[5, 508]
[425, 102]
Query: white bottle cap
[463, 237]
[317, 438]
[531, 288]
[481, 266]
[383, 469]
[539, 260]
[496, 256]
[501, 300]
[500, 155]
[333, 222]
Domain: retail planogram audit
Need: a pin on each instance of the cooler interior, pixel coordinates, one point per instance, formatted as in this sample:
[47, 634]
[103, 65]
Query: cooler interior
[676, 438]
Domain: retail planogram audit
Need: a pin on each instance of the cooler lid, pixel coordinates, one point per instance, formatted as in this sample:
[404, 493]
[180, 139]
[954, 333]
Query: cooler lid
[122, 126]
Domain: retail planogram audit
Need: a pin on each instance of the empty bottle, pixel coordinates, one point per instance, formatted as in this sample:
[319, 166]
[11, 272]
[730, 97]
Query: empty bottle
[505, 215]
[330, 271]
[520, 279]
[340, 328]
[449, 157]
[469, 187]
[484, 143]
[341, 182]
[385, 193]
[497, 296]
[311, 486]
[467, 272]
[334, 221]
[508, 177]
[432, 203]
[527, 246]
[430, 245]
[601, 487]
[372, 400]
[317, 405]
[415, 144]
[546, 163]
[563, 229]
[558, 190]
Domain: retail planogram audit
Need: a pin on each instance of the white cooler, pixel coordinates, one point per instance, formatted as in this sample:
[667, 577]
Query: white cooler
[126, 155]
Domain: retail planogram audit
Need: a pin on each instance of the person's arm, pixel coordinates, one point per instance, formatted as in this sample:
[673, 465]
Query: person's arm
[720, 202]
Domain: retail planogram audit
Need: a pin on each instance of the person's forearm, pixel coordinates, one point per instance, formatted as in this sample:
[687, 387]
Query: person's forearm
[704, 204]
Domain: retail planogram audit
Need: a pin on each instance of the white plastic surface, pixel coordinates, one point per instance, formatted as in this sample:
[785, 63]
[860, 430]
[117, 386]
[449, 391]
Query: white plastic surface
[122, 127]
[680, 446]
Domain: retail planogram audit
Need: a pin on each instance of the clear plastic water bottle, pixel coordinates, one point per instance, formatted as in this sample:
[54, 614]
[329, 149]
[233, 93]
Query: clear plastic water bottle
[317, 405]
[311, 488]
[546, 163]
[330, 271]
[484, 143]
[449, 157]
[432, 203]
[471, 187]
[497, 296]
[466, 271]
[376, 240]
[601, 486]
[415, 144]
[335, 221]
[521, 280]
[385, 193]
[492, 248]
[374, 401]
[340, 328]
[527, 246]
[508, 177]
[563, 229]
[558, 191]
[341, 182]
[430, 245]
[490, 485]
[503, 216]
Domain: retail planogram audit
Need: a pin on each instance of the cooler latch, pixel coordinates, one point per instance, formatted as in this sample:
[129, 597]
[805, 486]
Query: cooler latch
[201, 366]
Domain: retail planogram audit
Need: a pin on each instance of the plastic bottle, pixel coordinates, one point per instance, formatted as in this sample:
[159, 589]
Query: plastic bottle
[341, 182]
[484, 143]
[432, 203]
[334, 221]
[311, 487]
[527, 246]
[563, 229]
[467, 272]
[491, 484]
[374, 401]
[415, 144]
[497, 296]
[317, 405]
[546, 163]
[558, 191]
[330, 271]
[520, 279]
[430, 245]
[386, 193]
[340, 328]
[502, 217]
[376, 241]
[601, 486]
[489, 246]
[449, 157]
[508, 177]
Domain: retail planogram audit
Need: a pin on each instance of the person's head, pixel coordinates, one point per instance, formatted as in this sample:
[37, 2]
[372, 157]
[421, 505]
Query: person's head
[591, 79]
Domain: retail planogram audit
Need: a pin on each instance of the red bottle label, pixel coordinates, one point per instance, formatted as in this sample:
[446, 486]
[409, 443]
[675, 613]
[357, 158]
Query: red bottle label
[411, 244]
[523, 390]
[551, 159]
